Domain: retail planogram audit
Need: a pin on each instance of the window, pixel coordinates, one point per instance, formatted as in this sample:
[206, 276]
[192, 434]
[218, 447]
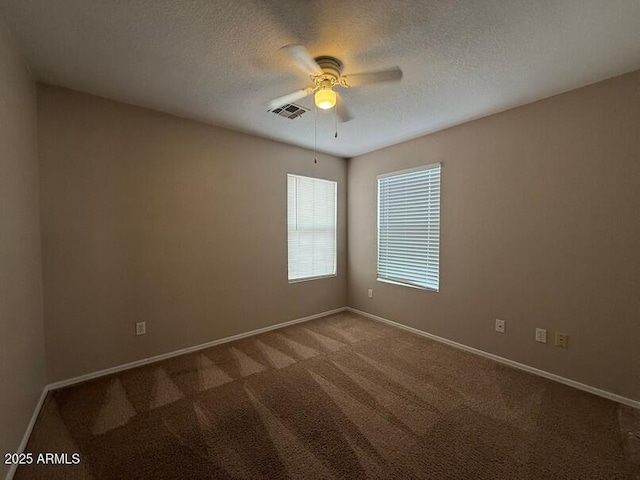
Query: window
[311, 222]
[409, 227]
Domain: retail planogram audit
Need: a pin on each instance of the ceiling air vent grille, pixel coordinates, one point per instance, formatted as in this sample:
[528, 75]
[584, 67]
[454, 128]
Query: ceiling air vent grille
[290, 111]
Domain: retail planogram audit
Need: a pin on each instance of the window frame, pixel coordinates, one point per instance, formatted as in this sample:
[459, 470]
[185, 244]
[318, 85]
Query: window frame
[378, 214]
[335, 230]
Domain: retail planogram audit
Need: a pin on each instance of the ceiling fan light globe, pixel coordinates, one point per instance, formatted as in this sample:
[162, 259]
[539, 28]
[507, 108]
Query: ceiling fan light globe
[325, 98]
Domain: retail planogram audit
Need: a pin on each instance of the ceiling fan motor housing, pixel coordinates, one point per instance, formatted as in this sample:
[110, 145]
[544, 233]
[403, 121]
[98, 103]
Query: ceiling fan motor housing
[332, 68]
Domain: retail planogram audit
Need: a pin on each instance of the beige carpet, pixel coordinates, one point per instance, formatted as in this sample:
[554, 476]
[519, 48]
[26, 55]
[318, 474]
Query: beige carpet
[338, 397]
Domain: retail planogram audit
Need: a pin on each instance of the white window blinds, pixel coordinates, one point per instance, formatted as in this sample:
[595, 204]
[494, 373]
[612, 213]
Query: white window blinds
[409, 227]
[311, 221]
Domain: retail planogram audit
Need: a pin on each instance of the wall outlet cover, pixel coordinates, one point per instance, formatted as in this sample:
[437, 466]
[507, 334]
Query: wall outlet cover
[141, 328]
[541, 335]
[500, 325]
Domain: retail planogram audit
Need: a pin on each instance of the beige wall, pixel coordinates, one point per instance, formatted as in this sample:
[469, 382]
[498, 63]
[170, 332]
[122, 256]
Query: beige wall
[21, 331]
[540, 227]
[147, 216]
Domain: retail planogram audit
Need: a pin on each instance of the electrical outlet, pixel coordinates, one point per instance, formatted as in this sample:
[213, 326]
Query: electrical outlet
[541, 335]
[370, 293]
[141, 328]
[562, 340]
[500, 325]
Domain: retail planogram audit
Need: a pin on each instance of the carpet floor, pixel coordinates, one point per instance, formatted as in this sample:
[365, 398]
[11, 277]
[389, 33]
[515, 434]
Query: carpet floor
[337, 397]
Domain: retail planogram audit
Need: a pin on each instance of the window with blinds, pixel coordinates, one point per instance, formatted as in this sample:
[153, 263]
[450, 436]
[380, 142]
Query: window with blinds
[409, 227]
[311, 224]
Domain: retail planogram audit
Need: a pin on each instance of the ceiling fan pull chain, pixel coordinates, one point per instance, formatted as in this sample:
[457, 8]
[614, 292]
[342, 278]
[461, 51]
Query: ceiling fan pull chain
[315, 134]
[335, 120]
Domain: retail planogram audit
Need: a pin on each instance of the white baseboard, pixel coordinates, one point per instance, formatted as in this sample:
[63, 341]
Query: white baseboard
[506, 361]
[27, 433]
[195, 348]
[144, 361]
[137, 363]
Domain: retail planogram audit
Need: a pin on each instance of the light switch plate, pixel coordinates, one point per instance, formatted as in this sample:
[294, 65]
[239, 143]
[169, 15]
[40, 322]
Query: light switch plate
[562, 340]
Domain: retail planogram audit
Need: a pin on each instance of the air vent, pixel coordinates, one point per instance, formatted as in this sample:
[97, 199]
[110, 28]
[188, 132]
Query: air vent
[290, 111]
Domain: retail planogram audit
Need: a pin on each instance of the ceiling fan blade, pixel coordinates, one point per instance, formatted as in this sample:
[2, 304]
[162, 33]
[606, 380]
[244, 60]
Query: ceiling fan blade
[367, 78]
[342, 110]
[303, 59]
[290, 98]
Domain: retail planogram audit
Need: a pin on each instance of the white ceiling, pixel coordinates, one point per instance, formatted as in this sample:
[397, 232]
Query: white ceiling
[218, 61]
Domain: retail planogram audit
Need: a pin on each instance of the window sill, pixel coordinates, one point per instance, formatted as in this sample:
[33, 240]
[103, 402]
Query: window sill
[429, 289]
[300, 280]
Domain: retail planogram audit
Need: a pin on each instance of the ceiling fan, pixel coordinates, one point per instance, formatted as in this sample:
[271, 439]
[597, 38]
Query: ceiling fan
[326, 75]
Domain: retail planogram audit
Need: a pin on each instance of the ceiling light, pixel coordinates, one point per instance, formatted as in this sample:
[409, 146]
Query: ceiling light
[325, 98]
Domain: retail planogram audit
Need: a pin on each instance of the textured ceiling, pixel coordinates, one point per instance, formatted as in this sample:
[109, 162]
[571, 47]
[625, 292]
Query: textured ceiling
[218, 61]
